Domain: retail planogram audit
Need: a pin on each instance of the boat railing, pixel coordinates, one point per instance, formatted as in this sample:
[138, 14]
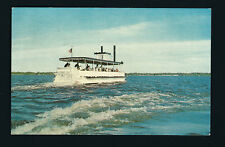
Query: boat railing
[93, 69]
[101, 69]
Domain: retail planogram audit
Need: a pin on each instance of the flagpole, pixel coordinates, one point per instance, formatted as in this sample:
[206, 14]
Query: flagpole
[71, 52]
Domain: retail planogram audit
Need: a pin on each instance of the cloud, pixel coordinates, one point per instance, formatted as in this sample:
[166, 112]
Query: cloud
[179, 56]
[128, 30]
[125, 33]
[146, 31]
[150, 46]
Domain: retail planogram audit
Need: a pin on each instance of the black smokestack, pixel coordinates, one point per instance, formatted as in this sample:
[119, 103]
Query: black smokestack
[101, 48]
[114, 53]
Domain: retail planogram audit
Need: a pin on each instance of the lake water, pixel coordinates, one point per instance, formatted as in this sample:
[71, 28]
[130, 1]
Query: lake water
[144, 105]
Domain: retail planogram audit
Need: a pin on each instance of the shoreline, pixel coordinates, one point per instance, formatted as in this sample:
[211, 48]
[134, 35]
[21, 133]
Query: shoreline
[127, 74]
[168, 74]
[32, 73]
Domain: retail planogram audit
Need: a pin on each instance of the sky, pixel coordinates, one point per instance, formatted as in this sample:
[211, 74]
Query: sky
[149, 40]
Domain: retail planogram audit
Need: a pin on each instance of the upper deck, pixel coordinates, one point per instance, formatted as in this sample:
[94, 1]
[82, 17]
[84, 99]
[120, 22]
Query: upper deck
[90, 60]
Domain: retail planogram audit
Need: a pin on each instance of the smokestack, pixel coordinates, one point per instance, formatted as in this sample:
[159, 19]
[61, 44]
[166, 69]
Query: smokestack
[101, 48]
[114, 53]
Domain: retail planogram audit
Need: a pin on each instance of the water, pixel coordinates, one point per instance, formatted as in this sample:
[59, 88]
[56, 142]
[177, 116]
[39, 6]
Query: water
[144, 105]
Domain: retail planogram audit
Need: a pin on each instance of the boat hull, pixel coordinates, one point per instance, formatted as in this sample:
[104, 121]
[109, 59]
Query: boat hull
[75, 76]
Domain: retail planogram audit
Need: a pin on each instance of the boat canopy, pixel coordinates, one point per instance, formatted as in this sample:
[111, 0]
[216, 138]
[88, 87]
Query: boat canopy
[89, 60]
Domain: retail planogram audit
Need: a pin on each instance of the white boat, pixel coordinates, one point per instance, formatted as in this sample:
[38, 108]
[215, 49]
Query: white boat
[99, 71]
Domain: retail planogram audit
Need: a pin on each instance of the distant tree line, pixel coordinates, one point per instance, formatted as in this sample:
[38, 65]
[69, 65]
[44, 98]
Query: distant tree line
[169, 74]
[127, 74]
[32, 73]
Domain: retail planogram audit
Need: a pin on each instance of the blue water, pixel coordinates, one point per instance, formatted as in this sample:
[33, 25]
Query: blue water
[144, 105]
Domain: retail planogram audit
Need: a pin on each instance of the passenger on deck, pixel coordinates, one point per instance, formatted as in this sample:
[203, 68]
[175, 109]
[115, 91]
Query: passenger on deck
[96, 67]
[101, 68]
[67, 65]
[87, 67]
[77, 66]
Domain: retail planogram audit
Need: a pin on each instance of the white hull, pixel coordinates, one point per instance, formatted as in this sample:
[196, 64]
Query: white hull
[72, 75]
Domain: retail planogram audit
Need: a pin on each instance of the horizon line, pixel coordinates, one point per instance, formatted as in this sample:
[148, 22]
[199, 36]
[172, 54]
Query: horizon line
[125, 72]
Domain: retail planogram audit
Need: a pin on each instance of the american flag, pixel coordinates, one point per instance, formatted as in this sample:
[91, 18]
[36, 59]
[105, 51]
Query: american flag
[70, 50]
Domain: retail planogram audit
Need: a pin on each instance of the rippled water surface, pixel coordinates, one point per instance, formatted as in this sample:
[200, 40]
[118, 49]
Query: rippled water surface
[144, 105]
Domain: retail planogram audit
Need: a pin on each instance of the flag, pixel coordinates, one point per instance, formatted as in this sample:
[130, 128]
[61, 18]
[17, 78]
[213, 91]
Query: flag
[70, 50]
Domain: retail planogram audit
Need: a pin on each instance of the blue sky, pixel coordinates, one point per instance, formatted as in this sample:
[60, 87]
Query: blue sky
[147, 39]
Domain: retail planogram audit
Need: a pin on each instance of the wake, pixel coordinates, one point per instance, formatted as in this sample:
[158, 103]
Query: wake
[61, 84]
[36, 86]
[100, 112]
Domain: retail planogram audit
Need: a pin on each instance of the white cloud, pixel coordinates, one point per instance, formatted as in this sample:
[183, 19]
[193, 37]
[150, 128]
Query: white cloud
[184, 56]
[128, 30]
[140, 54]
[180, 56]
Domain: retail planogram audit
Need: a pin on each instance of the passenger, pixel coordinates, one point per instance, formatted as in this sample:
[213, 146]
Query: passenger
[87, 67]
[67, 65]
[96, 67]
[101, 68]
[117, 70]
[77, 66]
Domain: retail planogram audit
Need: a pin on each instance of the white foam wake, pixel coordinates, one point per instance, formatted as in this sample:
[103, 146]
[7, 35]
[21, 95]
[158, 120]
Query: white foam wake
[42, 86]
[86, 113]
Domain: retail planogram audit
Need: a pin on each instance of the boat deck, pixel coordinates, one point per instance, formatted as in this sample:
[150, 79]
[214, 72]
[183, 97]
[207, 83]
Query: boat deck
[90, 60]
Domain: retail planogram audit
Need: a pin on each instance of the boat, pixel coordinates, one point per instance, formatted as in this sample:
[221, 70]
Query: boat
[100, 71]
